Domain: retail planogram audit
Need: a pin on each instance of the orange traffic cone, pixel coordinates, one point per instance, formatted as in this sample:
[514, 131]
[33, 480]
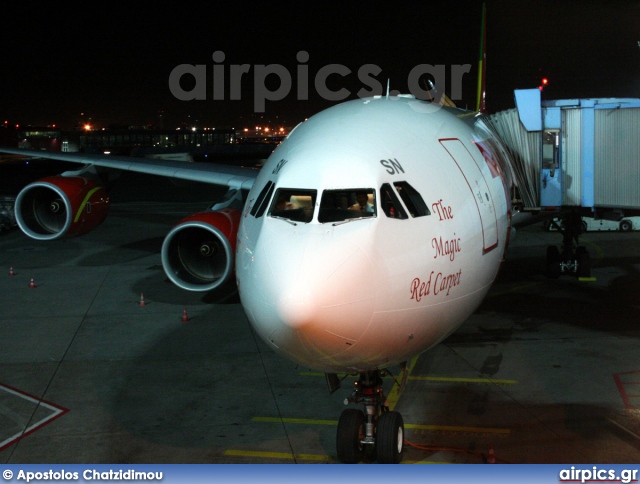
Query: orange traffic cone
[11, 273]
[142, 303]
[185, 318]
[32, 284]
[491, 459]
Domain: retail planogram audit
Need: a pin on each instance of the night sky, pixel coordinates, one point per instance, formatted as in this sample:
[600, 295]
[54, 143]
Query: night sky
[112, 61]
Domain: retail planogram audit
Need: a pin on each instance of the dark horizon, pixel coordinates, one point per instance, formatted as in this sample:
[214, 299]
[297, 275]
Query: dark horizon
[69, 67]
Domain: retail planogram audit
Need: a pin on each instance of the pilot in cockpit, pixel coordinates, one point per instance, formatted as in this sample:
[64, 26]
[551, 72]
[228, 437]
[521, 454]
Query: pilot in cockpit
[362, 203]
[284, 203]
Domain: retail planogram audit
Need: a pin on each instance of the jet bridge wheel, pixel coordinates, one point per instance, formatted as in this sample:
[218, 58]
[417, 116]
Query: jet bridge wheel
[553, 262]
[351, 432]
[567, 260]
[583, 261]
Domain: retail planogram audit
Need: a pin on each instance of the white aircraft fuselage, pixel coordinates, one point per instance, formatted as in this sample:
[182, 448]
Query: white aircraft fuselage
[339, 292]
[371, 233]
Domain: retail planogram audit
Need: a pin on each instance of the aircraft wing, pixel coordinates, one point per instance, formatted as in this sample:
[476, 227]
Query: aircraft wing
[231, 176]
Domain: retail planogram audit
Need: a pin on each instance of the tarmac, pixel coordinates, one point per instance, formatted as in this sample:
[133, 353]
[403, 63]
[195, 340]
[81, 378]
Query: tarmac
[545, 371]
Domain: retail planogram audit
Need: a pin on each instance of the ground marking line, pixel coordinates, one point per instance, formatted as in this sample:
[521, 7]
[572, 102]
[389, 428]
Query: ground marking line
[445, 428]
[276, 455]
[439, 379]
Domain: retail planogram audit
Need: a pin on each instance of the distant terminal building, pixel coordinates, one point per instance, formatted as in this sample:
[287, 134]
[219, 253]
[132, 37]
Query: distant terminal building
[115, 141]
[186, 143]
[39, 138]
[125, 141]
[262, 134]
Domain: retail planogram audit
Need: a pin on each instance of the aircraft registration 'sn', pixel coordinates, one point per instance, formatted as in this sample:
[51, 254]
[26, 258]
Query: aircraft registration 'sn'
[371, 233]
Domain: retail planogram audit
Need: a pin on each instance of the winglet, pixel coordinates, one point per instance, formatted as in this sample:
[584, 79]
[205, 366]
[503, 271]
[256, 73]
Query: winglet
[482, 57]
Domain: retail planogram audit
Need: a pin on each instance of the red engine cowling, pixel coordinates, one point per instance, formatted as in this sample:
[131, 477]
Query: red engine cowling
[60, 206]
[198, 253]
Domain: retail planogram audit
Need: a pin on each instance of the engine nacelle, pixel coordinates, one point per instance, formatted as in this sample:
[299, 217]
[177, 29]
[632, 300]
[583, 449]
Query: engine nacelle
[198, 253]
[60, 206]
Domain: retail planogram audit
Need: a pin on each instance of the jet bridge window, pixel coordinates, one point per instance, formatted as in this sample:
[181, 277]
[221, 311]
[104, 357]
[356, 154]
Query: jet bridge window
[347, 204]
[296, 205]
[412, 199]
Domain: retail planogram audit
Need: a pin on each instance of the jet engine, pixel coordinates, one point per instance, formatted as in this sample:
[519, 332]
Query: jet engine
[60, 206]
[198, 253]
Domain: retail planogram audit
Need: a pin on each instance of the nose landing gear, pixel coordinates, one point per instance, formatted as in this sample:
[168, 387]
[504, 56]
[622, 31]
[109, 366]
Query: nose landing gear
[377, 433]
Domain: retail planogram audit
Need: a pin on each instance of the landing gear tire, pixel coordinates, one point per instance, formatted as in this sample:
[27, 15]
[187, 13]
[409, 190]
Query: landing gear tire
[350, 434]
[390, 438]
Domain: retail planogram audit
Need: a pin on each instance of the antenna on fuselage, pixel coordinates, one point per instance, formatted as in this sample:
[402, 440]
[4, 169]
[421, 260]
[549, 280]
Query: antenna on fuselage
[388, 88]
[481, 94]
[444, 99]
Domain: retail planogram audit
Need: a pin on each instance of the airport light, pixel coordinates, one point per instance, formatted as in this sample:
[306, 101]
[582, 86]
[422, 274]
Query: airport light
[543, 83]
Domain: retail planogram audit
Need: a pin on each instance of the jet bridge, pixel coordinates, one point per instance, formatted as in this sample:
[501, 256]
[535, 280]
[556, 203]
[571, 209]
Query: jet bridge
[576, 156]
[574, 152]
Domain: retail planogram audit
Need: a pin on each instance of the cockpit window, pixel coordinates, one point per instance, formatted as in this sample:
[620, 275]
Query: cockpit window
[347, 204]
[261, 202]
[293, 204]
[391, 205]
[412, 199]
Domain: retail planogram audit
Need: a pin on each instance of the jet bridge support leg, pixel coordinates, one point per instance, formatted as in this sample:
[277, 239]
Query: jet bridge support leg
[375, 432]
[571, 258]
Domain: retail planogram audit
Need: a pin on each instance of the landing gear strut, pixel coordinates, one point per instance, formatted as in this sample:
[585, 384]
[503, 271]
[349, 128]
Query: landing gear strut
[377, 432]
[567, 260]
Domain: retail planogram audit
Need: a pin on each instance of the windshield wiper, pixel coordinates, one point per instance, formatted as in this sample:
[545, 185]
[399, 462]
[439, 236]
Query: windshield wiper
[347, 220]
[285, 219]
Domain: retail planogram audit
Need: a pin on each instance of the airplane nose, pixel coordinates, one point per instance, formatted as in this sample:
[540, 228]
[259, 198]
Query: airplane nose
[317, 279]
[295, 306]
[317, 294]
